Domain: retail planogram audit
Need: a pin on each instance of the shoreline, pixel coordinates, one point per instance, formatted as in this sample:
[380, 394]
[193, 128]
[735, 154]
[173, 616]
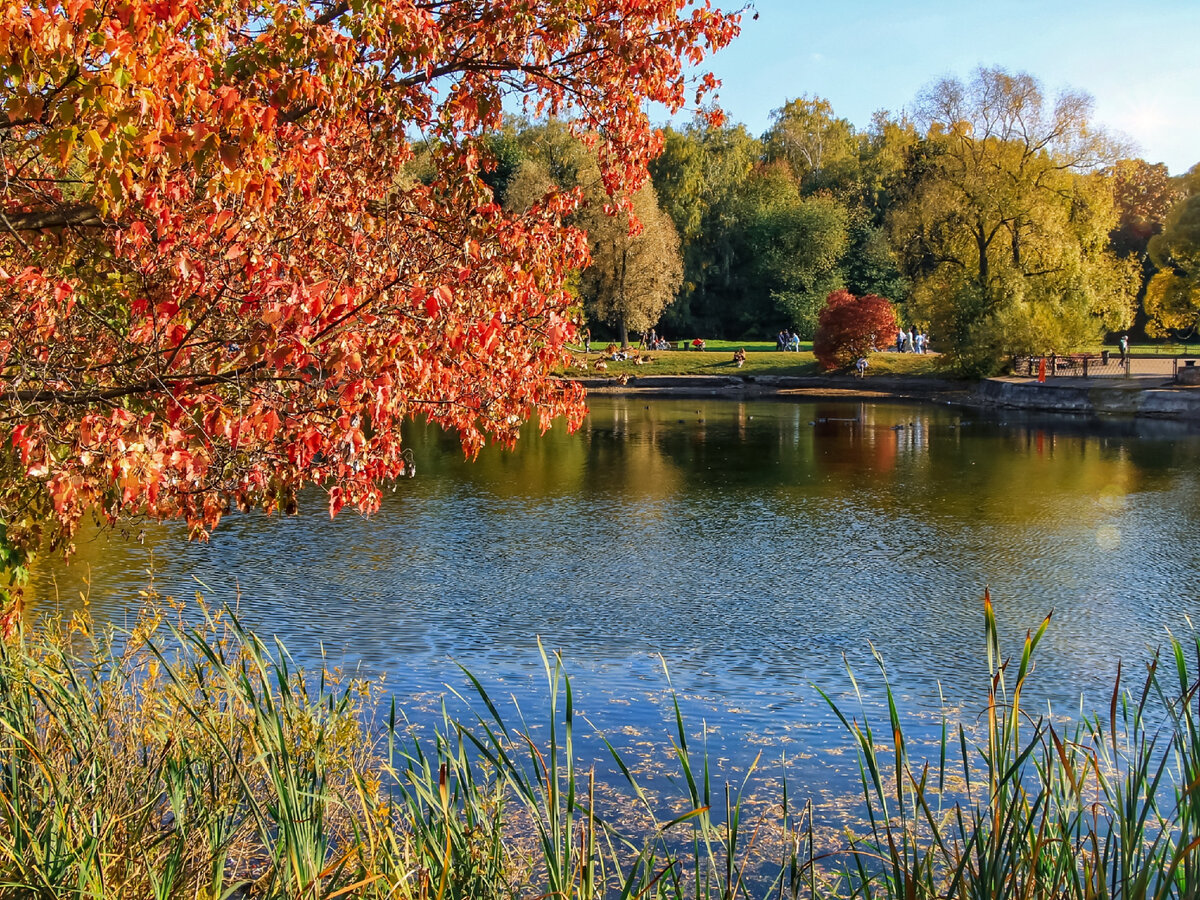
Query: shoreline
[1139, 397]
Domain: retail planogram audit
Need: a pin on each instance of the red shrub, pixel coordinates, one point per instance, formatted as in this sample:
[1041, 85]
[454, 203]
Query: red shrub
[850, 327]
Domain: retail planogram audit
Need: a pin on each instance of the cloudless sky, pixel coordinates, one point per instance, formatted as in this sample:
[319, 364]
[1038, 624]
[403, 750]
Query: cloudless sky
[1141, 63]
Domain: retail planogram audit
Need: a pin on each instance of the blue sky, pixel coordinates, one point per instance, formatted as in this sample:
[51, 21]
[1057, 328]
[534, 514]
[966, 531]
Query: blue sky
[1141, 64]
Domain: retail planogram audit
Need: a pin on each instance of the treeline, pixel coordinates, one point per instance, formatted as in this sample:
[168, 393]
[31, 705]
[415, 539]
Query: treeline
[996, 219]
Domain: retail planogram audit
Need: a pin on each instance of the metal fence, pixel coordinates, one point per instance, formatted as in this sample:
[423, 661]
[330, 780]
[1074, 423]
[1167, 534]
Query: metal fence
[1074, 365]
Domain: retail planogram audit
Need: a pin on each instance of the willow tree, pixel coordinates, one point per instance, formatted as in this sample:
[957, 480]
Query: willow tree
[1003, 223]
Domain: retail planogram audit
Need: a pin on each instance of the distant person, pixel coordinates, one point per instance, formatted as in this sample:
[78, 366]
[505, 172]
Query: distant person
[900, 341]
[861, 366]
[1123, 343]
[794, 342]
[739, 357]
[587, 340]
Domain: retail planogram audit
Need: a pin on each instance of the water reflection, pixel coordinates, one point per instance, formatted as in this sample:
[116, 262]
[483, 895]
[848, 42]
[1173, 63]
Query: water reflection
[757, 546]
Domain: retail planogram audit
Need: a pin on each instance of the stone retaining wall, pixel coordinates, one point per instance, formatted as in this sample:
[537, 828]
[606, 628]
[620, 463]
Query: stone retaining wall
[1122, 399]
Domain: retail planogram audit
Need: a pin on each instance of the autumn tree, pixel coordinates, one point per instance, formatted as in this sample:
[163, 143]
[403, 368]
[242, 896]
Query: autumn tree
[1004, 219]
[636, 268]
[1173, 295]
[1143, 195]
[850, 327]
[223, 278]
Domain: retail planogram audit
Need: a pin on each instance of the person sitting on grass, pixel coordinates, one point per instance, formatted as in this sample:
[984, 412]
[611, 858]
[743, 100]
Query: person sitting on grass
[739, 357]
[698, 343]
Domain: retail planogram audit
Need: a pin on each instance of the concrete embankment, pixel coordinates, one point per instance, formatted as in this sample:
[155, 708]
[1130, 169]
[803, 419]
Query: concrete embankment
[1142, 397]
[1136, 397]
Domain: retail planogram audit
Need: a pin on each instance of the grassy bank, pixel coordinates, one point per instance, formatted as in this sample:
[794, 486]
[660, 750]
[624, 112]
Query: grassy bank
[762, 358]
[717, 359]
[181, 761]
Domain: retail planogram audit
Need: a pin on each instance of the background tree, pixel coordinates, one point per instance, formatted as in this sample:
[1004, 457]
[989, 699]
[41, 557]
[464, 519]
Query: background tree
[850, 327]
[1173, 295]
[820, 149]
[635, 269]
[1003, 219]
[1143, 195]
[792, 246]
[700, 179]
[223, 280]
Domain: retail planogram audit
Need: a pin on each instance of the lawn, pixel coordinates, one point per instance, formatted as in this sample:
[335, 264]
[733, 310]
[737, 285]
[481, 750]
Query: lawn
[1167, 349]
[761, 359]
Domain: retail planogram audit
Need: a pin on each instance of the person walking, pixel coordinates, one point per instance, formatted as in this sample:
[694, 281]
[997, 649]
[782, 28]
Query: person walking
[1123, 343]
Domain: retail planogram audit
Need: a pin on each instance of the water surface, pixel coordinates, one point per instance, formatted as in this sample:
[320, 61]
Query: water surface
[756, 547]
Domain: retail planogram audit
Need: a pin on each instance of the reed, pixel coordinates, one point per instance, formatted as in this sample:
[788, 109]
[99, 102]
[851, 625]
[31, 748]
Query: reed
[1107, 810]
[187, 757]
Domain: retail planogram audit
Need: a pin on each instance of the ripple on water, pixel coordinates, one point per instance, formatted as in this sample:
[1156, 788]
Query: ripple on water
[759, 554]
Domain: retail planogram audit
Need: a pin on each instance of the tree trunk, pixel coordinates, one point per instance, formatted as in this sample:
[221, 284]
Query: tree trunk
[624, 333]
[982, 241]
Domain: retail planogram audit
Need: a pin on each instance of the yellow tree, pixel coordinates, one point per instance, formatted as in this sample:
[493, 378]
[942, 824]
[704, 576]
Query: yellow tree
[1004, 219]
[1173, 295]
[636, 265]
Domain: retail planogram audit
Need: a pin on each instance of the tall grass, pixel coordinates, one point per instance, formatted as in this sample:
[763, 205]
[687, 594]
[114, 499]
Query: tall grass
[196, 761]
[1109, 809]
[188, 758]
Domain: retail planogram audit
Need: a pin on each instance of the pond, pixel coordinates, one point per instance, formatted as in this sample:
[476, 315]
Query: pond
[757, 548]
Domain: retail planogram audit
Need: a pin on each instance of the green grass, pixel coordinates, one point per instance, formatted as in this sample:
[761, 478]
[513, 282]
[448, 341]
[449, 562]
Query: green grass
[195, 761]
[1165, 349]
[760, 360]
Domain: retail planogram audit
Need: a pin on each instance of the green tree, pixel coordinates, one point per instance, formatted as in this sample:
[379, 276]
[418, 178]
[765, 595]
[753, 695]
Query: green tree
[869, 266]
[793, 247]
[820, 149]
[1003, 221]
[701, 178]
[883, 151]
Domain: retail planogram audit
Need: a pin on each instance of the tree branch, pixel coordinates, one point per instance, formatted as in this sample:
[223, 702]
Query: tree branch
[58, 217]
